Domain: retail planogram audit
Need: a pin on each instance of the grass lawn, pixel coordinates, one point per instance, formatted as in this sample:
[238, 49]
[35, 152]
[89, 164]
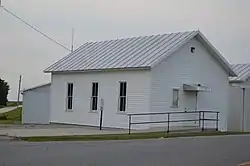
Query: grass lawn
[11, 104]
[11, 117]
[150, 135]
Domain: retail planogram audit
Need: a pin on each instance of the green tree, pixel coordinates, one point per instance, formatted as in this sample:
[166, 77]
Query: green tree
[4, 91]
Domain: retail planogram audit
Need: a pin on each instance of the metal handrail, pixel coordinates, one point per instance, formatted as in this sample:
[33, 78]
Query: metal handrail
[174, 112]
[168, 121]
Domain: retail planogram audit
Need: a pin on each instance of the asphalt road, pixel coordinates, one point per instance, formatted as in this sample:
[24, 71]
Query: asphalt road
[212, 151]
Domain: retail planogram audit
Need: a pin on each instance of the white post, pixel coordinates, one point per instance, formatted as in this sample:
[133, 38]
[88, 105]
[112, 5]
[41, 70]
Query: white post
[101, 115]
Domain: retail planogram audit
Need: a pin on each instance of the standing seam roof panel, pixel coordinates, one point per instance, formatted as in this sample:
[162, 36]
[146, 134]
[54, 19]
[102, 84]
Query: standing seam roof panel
[108, 60]
[64, 58]
[88, 58]
[158, 48]
[132, 54]
[242, 71]
[163, 48]
[137, 58]
[171, 46]
[88, 51]
[121, 53]
[71, 59]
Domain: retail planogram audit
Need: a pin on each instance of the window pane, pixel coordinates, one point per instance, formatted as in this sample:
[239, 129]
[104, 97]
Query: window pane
[95, 89]
[70, 89]
[70, 103]
[94, 103]
[122, 103]
[123, 88]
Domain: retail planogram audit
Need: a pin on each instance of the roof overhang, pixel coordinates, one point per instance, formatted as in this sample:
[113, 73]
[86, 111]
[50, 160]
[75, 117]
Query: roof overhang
[241, 86]
[196, 88]
[100, 70]
[235, 81]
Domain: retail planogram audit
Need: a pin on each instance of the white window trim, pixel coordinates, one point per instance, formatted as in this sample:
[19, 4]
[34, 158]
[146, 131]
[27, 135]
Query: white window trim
[119, 97]
[178, 98]
[91, 99]
[67, 85]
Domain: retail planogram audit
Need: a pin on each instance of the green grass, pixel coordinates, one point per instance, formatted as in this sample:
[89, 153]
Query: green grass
[150, 135]
[11, 117]
[11, 104]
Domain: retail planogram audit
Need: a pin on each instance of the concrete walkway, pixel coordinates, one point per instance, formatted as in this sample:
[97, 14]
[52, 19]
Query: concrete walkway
[6, 109]
[63, 130]
[54, 130]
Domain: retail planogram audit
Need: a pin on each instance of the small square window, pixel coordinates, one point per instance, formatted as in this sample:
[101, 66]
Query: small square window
[192, 49]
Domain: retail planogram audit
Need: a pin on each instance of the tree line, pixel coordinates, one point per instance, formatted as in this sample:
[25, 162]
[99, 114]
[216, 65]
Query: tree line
[4, 91]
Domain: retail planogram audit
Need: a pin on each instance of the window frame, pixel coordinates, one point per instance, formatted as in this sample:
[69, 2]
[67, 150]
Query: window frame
[94, 95]
[69, 96]
[175, 98]
[122, 96]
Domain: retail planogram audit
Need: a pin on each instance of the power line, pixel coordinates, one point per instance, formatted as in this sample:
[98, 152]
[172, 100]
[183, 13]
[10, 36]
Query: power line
[34, 28]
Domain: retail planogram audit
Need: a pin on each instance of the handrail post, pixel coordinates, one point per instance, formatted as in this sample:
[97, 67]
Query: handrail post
[217, 121]
[203, 118]
[129, 124]
[199, 118]
[101, 119]
[168, 123]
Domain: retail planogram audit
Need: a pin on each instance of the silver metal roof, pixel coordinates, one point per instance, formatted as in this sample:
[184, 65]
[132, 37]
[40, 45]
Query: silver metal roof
[242, 71]
[137, 52]
[36, 87]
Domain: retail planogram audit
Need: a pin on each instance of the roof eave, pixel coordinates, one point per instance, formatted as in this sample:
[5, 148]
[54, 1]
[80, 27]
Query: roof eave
[36, 87]
[100, 70]
[237, 81]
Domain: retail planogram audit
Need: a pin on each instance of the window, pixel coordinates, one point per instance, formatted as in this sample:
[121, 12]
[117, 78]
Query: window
[175, 103]
[122, 96]
[94, 98]
[70, 96]
[192, 49]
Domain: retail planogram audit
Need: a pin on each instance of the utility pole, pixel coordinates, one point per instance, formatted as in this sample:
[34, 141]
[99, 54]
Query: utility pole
[19, 89]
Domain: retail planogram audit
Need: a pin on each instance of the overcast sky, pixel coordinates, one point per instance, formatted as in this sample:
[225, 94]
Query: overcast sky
[226, 23]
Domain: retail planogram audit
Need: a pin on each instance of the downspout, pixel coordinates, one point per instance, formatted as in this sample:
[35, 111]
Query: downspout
[243, 109]
[196, 98]
[196, 106]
